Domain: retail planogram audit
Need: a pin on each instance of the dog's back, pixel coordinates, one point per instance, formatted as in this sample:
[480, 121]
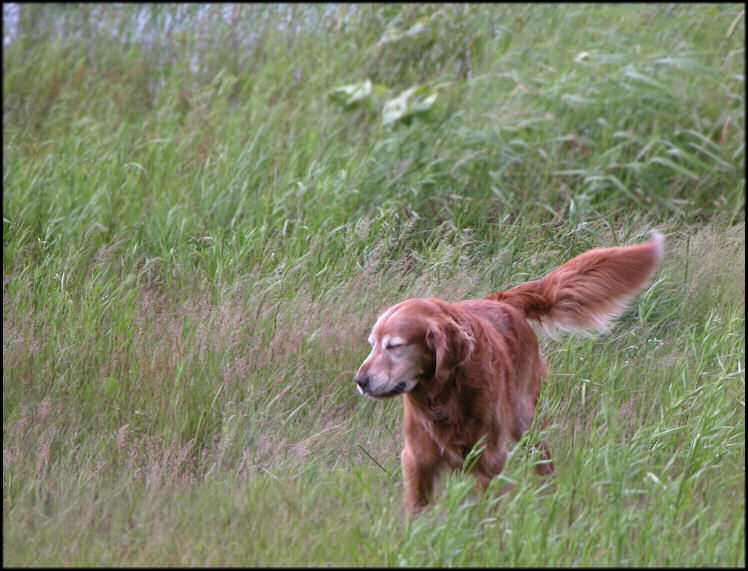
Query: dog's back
[525, 367]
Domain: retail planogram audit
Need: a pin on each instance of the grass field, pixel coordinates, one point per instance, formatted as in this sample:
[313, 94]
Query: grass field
[206, 207]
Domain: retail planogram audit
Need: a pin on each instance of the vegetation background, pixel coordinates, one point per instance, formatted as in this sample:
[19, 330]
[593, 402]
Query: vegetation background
[206, 206]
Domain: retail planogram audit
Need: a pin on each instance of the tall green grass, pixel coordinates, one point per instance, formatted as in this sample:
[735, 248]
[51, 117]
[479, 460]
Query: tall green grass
[197, 238]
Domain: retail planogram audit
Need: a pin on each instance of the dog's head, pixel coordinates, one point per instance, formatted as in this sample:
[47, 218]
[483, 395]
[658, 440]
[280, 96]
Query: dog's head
[416, 342]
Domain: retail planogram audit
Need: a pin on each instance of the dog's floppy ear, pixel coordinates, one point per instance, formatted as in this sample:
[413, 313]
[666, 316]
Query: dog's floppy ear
[451, 344]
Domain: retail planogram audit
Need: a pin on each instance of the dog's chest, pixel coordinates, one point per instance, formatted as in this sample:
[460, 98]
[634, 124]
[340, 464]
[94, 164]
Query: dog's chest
[453, 432]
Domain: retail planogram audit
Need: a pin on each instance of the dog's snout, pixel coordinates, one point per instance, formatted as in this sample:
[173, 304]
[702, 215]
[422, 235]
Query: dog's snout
[362, 380]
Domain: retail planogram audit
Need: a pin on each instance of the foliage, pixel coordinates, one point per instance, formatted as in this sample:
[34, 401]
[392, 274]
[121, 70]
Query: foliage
[205, 207]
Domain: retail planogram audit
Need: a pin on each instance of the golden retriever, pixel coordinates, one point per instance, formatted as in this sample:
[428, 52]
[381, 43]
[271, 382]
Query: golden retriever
[472, 368]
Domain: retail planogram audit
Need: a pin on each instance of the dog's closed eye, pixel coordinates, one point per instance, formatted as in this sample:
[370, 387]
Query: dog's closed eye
[388, 343]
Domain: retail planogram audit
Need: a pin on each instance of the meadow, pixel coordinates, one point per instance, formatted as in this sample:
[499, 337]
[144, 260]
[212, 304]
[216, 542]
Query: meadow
[205, 207]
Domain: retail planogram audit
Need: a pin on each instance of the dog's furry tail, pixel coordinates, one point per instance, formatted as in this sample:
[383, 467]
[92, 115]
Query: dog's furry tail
[589, 291]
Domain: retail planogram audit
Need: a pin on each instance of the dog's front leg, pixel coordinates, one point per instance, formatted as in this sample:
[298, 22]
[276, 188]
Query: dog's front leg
[490, 465]
[420, 472]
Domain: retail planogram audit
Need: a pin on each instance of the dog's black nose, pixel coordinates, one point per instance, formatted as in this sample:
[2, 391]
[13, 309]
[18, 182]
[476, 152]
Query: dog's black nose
[361, 380]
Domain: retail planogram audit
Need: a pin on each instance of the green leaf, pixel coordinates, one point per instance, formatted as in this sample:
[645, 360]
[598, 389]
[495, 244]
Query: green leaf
[357, 94]
[674, 166]
[408, 104]
[416, 31]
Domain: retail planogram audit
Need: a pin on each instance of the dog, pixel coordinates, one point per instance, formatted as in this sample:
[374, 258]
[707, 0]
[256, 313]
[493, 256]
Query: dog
[472, 369]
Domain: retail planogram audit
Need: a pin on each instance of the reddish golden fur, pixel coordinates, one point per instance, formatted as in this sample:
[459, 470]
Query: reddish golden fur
[472, 368]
